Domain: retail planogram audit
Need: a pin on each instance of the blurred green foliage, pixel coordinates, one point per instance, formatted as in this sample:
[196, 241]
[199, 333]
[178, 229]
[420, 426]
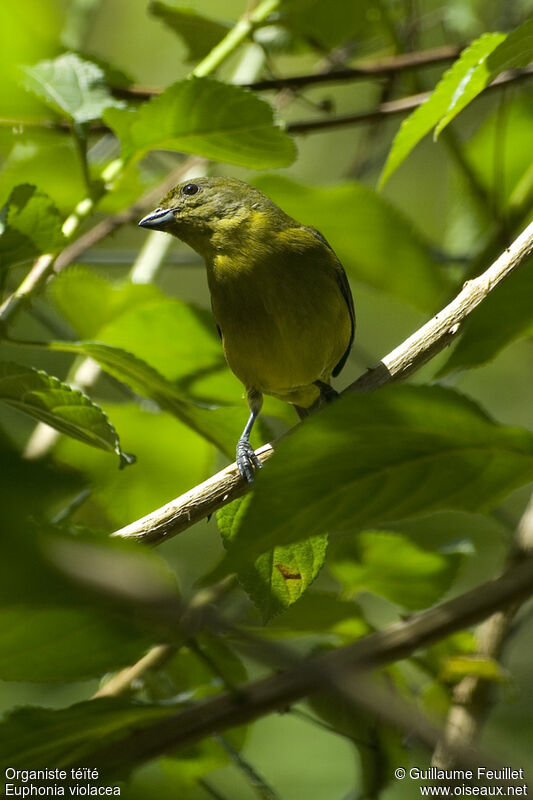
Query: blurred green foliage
[417, 488]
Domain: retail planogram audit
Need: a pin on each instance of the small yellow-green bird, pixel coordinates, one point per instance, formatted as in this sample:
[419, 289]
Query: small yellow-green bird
[279, 294]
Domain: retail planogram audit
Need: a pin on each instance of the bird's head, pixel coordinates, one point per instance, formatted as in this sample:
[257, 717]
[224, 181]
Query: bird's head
[203, 211]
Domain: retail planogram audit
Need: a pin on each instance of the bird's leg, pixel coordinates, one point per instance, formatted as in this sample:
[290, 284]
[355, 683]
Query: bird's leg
[327, 392]
[246, 457]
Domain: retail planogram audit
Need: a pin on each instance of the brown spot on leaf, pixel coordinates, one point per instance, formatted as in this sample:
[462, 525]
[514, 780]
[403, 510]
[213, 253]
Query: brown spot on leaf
[288, 573]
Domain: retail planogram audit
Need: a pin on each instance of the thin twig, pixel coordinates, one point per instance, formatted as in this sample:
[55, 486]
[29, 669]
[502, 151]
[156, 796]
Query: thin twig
[381, 68]
[430, 339]
[124, 681]
[394, 107]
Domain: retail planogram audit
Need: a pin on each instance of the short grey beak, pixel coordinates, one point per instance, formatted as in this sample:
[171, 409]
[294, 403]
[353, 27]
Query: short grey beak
[158, 220]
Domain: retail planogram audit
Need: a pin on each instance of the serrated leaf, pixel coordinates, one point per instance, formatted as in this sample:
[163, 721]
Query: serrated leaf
[361, 226]
[200, 34]
[72, 86]
[62, 644]
[515, 50]
[279, 578]
[208, 118]
[443, 98]
[392, 566]
[53, 402]
[370, 459]
[30, 225]
[220, 426]
[505, 315]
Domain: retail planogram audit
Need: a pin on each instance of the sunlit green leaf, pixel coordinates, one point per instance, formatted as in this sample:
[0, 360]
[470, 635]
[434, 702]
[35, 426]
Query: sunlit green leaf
[220, 426]
[171, 459]
[277, 579]
[199, 33]
[207, 118]
[515, 50]
[30, 225]
[443, 98]
[88, 300]
[477, 666]
[48, 400]
[389, 455]
[391, 566]
[71, 86]
[362, 227]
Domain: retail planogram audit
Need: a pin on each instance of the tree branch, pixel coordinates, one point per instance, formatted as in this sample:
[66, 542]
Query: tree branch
[381, 68]
[430, 339]
[394, 107]
[257, 698]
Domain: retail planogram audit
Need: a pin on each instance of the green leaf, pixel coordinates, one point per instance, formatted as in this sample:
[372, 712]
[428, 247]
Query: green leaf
[279, 578]
[443, 99]
[362, 227]
[171, 458]
[53, 402]
[62, 644]
[205, 675]
[391, 566]
[73, 87]
[505, 315]
[477, 666]
[46, 737]
[370, 459]
[323, 612]
[329, 24]
[220, 426]
[208, 118]
[515, 50]
[30, 225]
[88, 300]
[200, 34]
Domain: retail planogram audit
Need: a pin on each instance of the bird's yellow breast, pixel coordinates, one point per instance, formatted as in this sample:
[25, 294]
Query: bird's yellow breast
[283, 317]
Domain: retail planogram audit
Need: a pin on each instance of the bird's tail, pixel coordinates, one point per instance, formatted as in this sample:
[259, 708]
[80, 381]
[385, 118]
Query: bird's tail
[327, 395]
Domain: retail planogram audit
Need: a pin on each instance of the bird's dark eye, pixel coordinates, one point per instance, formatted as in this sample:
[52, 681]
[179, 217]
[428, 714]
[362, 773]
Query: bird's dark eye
[190, 188]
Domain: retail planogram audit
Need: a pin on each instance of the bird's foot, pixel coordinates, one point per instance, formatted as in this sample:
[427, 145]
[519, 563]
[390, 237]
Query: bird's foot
[247, 460]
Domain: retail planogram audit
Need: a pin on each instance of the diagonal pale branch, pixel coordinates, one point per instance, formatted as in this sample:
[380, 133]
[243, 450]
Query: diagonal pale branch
[430, 339]
[260, 697]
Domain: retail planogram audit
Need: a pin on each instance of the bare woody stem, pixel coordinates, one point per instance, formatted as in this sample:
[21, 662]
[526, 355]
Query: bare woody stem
[381, 68]
[413, 353]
